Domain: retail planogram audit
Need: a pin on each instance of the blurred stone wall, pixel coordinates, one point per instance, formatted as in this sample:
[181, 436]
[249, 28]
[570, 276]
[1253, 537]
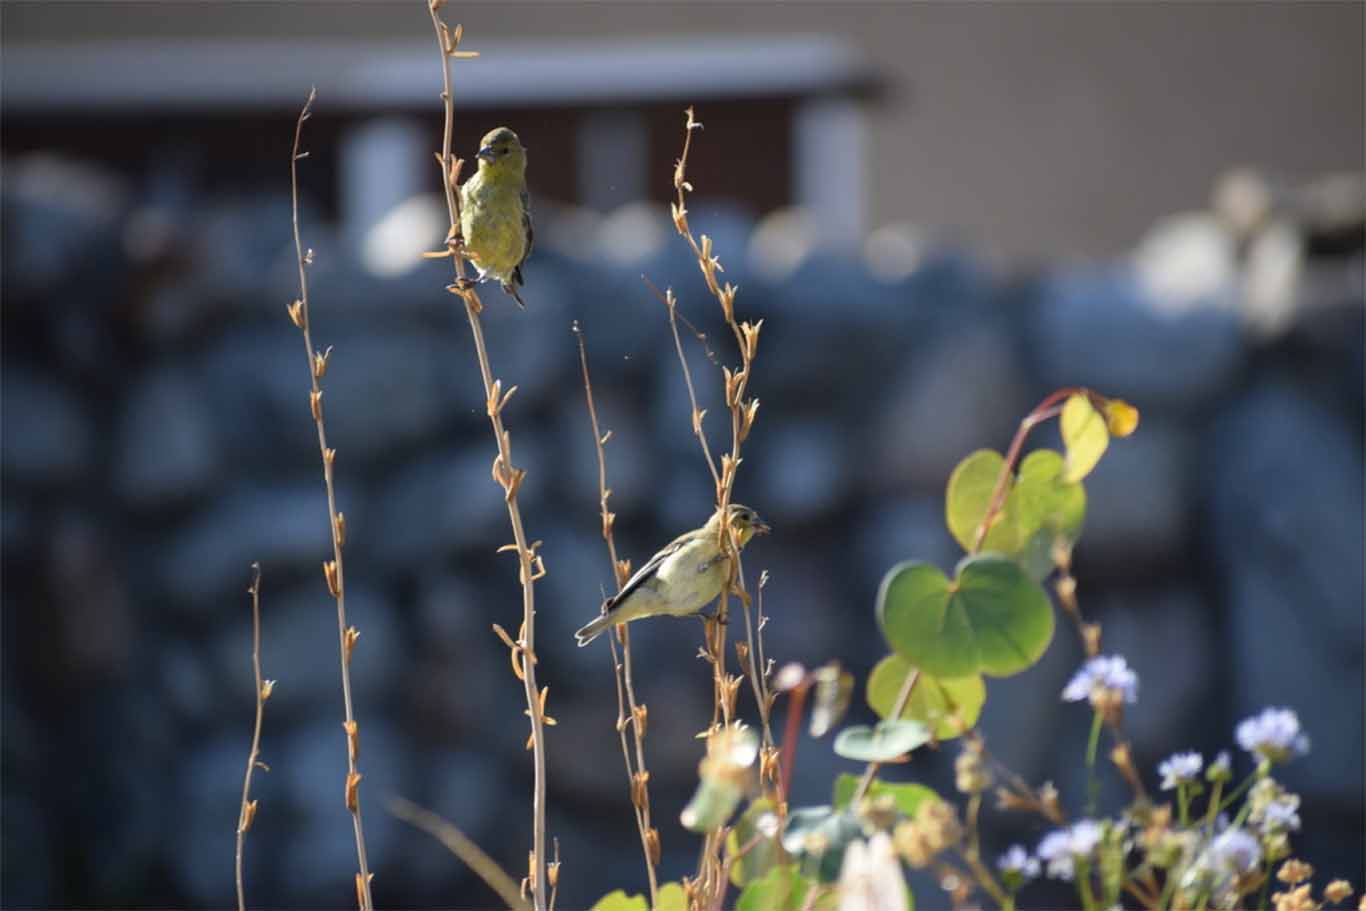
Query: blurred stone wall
[156, 440]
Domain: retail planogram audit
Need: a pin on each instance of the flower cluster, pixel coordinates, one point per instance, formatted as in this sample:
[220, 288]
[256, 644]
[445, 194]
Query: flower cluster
[1062, 848]
[1107, 682]
[1274, 735]
[1017, 866]
[1179, 769]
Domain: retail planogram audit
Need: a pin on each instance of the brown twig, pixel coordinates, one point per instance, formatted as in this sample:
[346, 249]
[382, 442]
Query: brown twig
[333, 570]
[902, 697]
[796, 701]
[1048, 408]
[753, 656]
[698, 414]
[638, 776]
[463, 847]
[742, 411]
[263, 690]
[507, 476]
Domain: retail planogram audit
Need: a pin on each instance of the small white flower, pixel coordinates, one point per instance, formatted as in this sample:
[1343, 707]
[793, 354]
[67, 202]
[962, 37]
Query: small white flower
[870, 877]
[1179, 769]
[1105, 672]
[1221, 769]
[1061, 848]
[1232, 853]
[1281, 814]
[1274, 735]
[1018, 861]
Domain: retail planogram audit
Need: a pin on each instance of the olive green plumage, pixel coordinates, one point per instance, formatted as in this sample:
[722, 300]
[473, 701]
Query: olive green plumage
[680, 580]
[495, 212]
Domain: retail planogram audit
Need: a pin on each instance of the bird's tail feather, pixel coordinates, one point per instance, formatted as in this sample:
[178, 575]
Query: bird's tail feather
[594, 629]
[511, 289]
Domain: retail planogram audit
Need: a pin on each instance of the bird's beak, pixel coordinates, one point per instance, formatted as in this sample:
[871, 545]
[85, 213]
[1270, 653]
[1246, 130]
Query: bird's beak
[486, 153]
[762, 528]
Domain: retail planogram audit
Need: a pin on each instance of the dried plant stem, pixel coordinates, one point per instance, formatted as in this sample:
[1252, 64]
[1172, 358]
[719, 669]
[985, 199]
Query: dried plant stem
[508, 477]
[637, 776]
[333, 570]
[742, 413]
[460, 844]
[711, 875]
[263, 688]
[753, 652]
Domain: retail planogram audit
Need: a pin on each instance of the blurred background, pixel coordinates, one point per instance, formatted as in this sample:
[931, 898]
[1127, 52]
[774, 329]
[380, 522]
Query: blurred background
[942, 213]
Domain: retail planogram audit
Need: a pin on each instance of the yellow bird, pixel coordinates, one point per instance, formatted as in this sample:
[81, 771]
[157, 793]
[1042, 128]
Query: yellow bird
[495, 212]
[680, 580]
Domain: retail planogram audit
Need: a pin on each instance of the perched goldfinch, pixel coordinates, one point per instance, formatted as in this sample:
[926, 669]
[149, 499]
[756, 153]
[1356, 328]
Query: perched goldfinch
[495, 212]
[681, 579]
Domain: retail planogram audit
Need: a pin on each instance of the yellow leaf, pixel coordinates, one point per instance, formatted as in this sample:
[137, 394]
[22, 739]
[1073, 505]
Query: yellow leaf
[1085, 434]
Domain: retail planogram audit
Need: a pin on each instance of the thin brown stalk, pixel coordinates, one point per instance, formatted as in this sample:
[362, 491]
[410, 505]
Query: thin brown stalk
[1048, 408]
[671, 304]
[742, 414]
[902, 697]
[333, 570]
[463, 847]
[508, 477]
[263, 689]
[637, 776]
[754, 654]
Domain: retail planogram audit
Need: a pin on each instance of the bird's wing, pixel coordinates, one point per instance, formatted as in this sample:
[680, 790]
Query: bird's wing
[650, 569]
[530, 237]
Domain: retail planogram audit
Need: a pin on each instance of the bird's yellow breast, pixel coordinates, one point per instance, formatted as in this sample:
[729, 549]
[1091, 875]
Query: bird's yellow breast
[691, 577]
[492, 221]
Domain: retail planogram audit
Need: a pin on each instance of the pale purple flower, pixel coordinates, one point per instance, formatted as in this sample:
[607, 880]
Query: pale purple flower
[1231, 854]
[1281, 815]
[1274, 735]
[1234, 852]
[1105, 672]
[1221, 769]
[1060, 849]
[1179, 769]
[1018, 861]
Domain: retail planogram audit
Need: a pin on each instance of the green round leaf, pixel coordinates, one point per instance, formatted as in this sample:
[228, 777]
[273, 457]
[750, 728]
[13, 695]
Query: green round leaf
[764, 853]
[887, 740]
[712, 804]
[967, 498]
[934, 699]
[620, 901]
[1042, 498]
[907, 795]
[671, 897]
[992, 619]
[781, 889]
[1047, 510]
[1086, 436]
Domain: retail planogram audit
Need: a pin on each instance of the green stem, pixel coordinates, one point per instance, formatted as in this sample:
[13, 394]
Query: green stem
[1168, 889]
[1237, 792]
[1088, 898]
[1266, 887]
[1213, 805]
[1183, 802]
[1092, 786]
